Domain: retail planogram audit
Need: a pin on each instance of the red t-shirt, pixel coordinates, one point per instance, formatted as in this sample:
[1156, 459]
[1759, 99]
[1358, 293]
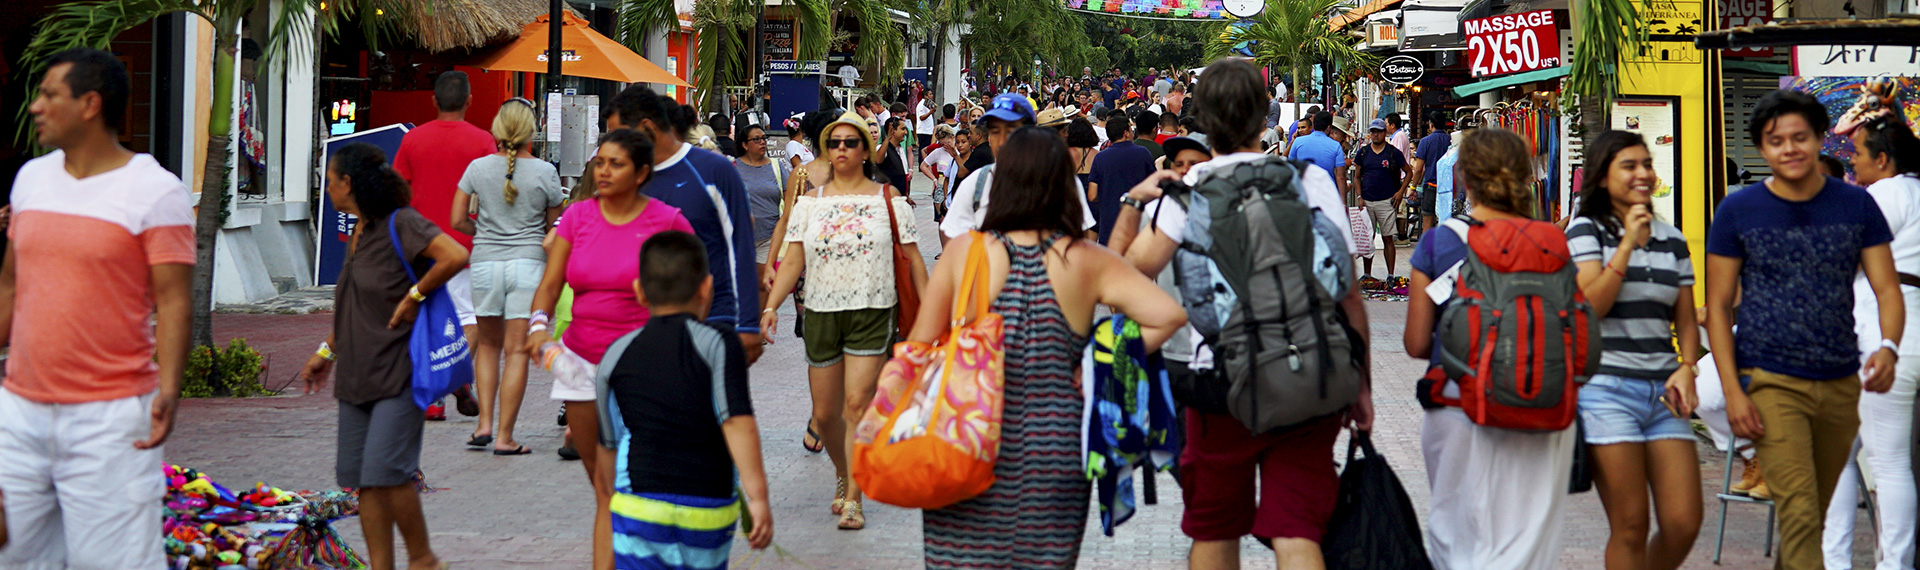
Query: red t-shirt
[1162, 137]
[432, 158]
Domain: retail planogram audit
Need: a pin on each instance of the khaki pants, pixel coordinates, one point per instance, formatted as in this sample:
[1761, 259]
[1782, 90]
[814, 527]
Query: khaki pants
[1809, 429]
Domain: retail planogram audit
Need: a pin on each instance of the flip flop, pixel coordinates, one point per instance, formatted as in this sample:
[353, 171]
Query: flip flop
[819, 444]
[480, 440]
[519, 450]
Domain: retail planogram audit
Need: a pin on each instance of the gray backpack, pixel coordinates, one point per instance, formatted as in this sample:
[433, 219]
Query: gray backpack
[1261, 276]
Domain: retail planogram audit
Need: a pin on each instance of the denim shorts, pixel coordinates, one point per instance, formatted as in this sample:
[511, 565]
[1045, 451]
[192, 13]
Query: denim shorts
[505, 288]
[1617, 409]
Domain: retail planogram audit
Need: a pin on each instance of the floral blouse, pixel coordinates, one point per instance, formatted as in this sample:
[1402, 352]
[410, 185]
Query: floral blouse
[849, 249]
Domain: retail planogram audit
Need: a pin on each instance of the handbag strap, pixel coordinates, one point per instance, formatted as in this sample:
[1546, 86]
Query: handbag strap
[395, 236]
[973, 283]
[893, 226]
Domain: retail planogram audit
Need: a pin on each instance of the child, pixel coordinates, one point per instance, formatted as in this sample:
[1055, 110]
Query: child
[658, 388]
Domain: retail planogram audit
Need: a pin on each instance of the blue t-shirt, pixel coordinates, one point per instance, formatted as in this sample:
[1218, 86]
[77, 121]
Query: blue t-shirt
[1796, 277]
[1429, 151]
[1439, 250]
[1116, 169]
[1379, 172]
[1316, 147]
[708, 191]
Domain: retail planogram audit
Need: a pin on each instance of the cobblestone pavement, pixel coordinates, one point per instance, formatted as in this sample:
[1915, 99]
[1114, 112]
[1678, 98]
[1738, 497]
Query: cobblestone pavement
[533, 511]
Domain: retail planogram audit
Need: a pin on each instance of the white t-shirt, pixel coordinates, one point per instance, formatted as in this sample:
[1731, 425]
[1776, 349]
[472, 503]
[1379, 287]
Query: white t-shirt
[1321, 194]
[1899, 200]
[920, 125]
[800, 149]
[938, 159]
[961, 215]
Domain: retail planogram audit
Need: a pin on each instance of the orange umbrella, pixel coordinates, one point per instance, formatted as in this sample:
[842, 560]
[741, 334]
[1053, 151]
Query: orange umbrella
[586, 53]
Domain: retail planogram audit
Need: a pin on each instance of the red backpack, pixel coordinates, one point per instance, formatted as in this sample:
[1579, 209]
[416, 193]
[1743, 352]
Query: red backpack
[1515, 335]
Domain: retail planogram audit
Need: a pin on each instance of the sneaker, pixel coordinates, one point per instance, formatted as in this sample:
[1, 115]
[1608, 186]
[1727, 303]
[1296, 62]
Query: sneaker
[568, 453]
[436, 413]
[464, 401]
[1749, 477]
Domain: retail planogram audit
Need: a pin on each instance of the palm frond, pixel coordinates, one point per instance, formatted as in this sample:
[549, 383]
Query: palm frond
[814, 18]
[720, 25]
[1610, 31]
[640, 20]
[89, 24]
[881, 44]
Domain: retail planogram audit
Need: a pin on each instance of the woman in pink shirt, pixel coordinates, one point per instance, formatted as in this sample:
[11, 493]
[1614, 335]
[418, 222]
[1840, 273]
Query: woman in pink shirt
[596, 251]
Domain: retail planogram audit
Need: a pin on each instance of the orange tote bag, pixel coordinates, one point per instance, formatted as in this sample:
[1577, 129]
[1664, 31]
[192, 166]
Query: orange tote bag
[932, 434]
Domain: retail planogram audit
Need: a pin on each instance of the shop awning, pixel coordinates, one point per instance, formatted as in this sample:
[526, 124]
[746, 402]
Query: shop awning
[1887, 32]
[1357, 14]
[587, 53]
[1515, 79]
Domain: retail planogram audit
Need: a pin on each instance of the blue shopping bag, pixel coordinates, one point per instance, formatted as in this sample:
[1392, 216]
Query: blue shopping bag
[442, 361]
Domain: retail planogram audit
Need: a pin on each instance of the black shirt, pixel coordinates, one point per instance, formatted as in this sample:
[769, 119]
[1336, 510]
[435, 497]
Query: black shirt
[981, 157]
[894, 167]
[662, 396]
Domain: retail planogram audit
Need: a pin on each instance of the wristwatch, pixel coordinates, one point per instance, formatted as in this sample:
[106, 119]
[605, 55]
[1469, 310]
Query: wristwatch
[1129, 201]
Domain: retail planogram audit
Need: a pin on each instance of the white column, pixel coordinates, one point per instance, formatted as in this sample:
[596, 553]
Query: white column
[190, 123]
[297, 120]
[952, 86]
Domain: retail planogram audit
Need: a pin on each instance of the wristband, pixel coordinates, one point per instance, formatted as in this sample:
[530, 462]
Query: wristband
[415, 294]
[1129, 201]
[535, 329]
[540, 318]
[1889, 344]
[325, 352]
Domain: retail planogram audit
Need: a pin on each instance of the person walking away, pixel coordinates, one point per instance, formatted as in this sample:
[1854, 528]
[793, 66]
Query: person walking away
[101, 240]
[799, 147]
[766, 181]
[1046, 283]
[377, 300]
[1887, 159]
[1116, 170]
[593, 252]
[673, 395]
[841, 236]
[723, 135]
[1316, 147]
[1223, 458]
[1426, 160]
[1083, 145]
[1635, 271]
[1498, 493]
[707, 190]
[1384, 177]
[892, 165]
[518, 197]
[970, 198]
[1789, 247]
[432, 158]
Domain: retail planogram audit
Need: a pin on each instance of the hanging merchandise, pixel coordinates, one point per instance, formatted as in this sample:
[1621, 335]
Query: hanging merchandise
[1539, 125]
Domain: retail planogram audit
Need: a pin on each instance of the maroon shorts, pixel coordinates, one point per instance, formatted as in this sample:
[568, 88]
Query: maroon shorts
[1298, 481]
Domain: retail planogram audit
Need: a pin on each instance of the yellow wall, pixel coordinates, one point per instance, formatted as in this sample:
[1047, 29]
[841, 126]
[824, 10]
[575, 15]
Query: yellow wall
[1678, 69]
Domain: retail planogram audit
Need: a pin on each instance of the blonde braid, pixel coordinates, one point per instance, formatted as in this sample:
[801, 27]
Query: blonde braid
[513, 193]
[513, 130]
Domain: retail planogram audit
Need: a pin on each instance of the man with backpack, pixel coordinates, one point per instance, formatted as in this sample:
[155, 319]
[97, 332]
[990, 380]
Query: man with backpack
[1275, 369]
[1009, 112]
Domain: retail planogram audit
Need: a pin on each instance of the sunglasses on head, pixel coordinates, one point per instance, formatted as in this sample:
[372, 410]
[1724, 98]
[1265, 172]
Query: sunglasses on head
[844, 143]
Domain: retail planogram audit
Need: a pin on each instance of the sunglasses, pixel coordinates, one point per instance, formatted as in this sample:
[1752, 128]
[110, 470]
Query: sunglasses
[844, 143]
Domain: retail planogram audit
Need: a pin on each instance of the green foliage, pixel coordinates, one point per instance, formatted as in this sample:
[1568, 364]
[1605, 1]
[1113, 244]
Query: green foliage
[1008, 35]
[1293, 34]
[240, 368]
[1135, 44]
[1609, 30]
[721, 25]
[198, 382]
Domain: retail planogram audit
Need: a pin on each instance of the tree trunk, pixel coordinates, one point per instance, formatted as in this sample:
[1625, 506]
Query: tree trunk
[1593, 119]
[213, 186]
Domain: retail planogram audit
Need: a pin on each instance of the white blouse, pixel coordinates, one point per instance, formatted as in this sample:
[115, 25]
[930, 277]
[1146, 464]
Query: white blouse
[849, 249]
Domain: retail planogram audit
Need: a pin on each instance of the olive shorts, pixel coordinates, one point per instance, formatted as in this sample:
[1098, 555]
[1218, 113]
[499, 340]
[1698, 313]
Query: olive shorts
[834, 334]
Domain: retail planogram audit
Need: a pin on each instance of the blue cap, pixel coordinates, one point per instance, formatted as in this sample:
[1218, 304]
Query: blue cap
[1011, 107]
[1377, 125]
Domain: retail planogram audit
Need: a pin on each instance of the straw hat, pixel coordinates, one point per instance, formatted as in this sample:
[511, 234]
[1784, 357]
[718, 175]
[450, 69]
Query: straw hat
[854, 120]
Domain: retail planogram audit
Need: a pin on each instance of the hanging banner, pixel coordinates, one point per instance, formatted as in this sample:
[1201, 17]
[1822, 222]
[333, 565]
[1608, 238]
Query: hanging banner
[1184, 9]
[1856, 61]
[1513, 43]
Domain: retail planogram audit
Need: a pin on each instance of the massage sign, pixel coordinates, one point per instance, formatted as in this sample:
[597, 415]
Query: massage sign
[1513, 43]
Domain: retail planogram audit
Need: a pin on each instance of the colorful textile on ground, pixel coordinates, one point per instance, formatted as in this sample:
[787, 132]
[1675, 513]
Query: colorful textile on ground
[210, 527]
[1130, 419]
[1381, 290]
[662, 531]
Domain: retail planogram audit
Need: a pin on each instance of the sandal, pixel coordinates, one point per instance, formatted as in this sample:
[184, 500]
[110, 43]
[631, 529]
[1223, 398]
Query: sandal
[840, 496]
[853, 518]
[517, 450]
[818, 445]
[480, 440]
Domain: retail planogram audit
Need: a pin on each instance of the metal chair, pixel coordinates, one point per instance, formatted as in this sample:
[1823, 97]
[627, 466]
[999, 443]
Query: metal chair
[1726, 495]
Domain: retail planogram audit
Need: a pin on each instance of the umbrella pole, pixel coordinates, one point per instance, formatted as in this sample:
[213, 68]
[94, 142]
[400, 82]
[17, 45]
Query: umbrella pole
[555, 21]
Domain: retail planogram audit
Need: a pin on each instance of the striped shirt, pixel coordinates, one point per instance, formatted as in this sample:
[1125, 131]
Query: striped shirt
[1637, 333]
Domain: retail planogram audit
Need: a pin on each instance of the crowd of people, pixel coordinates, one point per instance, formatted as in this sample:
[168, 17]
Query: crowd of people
[635, 288]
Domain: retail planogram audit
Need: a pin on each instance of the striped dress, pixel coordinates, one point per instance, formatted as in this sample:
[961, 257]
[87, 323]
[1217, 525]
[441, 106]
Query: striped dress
[1036, 511]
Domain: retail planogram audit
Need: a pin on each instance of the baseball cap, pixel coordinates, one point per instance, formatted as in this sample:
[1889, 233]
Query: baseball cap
[1377, 125]
[1011, 107]
[1174, 145]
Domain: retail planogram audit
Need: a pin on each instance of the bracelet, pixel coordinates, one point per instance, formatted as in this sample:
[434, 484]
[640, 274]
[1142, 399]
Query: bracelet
[540, 318]
[415, 294]
[767, 310]
[539, 328]
[1623, 274]
[325, 352]
[1889, 344]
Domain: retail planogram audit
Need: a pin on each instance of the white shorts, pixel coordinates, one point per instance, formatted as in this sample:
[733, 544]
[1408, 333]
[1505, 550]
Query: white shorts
[461, 288]
[78, 495]
[573, 377]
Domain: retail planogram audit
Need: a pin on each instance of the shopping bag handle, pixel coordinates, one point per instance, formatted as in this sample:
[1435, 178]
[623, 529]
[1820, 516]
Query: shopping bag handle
[973, 284]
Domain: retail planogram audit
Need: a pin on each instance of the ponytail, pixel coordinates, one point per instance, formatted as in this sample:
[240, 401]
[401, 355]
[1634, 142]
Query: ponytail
[513, 130]
[512, 193]
[375, 187]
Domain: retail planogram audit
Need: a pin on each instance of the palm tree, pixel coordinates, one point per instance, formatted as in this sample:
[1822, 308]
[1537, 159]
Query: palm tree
[1609, 31]
[1292, 34]
[94, 24]
[722, 56]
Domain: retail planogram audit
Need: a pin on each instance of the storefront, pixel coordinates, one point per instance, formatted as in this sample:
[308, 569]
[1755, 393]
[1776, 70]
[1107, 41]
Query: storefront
[1518, 64]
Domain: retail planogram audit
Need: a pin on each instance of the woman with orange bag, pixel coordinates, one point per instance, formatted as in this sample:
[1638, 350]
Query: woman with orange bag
[1045, 283]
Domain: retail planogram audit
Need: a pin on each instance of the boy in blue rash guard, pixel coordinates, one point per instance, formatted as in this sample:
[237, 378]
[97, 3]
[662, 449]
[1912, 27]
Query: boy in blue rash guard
[708, 191]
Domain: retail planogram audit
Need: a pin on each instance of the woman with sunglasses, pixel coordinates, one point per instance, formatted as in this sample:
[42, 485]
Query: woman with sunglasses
[765, 179]
[841, 236]
[517, 197]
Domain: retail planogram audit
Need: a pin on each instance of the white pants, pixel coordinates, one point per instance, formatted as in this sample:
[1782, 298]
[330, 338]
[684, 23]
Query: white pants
[1886, 426]
[1497, 494]
[1713, 409]
[78, 495]
[460, 287]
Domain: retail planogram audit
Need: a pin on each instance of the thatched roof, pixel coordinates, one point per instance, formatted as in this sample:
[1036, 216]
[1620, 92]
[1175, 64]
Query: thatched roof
[443, 25]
